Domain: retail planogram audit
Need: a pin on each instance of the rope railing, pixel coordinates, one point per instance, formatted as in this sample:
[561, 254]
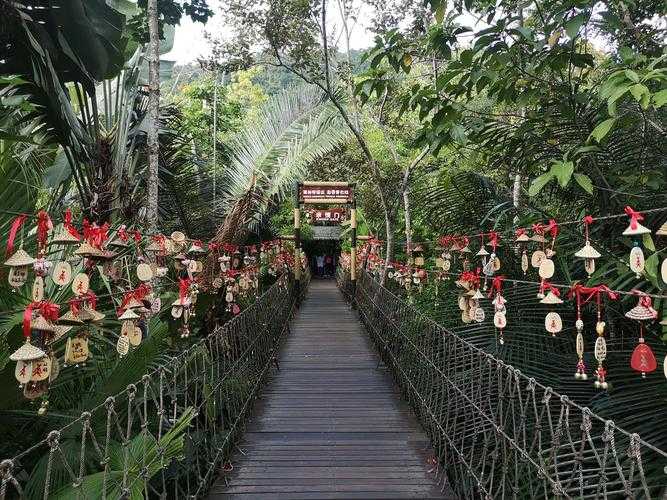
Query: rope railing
[169, 434]
[496, 432]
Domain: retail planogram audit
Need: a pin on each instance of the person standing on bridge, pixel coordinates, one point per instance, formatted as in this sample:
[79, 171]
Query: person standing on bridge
[320, 265]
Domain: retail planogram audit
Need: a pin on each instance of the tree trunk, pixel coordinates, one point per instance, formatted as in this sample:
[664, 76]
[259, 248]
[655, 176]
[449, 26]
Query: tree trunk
[389, 256]
[153, 115]
[408, 222]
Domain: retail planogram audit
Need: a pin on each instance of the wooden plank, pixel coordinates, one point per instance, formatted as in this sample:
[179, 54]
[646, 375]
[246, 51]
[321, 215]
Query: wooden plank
[330, 424]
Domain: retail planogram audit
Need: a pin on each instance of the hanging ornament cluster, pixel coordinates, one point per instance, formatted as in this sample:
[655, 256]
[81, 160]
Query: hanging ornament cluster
[36, 363]
[552, 321]
[79, 256]
[469, 298]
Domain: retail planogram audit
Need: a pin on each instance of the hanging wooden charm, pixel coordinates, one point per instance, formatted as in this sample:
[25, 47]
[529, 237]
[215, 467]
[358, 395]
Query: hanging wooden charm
[636, 229]
[588, 253]
[19, 264]
[76, 349]
[80, 284]
[552, 321]
[643, 360]
[62, 273]
[522, 240]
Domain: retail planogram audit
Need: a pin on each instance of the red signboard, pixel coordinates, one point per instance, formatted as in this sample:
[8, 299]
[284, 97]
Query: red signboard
[341, 194]
[328, 215]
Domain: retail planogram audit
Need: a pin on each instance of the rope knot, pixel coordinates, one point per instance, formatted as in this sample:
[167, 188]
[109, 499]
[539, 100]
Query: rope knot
[53, 439]
[6, 468]
[548, 392]
[109, 402]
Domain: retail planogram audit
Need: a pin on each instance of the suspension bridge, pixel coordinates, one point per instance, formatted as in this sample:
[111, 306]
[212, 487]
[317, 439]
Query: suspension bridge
[301, 396]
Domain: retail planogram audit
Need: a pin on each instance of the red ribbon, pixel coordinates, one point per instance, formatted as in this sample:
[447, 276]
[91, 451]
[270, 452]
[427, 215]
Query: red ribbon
[645, 301]
[91, 298]
[122, 234]
[635, 217]
[75, 305]
[47, 309]
[496, 286]
[183, 288]
[95, 235]
[538, 228]
[228, 248]
[67, 224]
[493, 239]
[553, 228]
[520, 232]
[16, 225]
[545, 286]
[137, 236]
[44, 225]
[588, 220]
[471, 277]
[214, 247]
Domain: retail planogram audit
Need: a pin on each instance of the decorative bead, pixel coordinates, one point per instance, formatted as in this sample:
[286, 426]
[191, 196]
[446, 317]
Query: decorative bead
[579, 324]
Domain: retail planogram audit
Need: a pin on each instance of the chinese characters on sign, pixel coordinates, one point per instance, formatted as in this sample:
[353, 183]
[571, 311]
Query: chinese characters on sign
[327, 215]
[340, 194]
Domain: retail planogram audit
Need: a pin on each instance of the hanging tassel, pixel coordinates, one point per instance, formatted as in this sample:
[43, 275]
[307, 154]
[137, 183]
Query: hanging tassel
[16, 225]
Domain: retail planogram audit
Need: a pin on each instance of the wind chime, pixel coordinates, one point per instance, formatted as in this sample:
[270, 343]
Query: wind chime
[492, 265]
[66, 236]
[83, 309]
[588, 253]
[600, 348]
[552, 321]
[499, 307]
[546, 267]
[36, 364]
[469, 300]
[182, 307]
[522, 240]
[643, 360]
[635, 229]
[19, 261]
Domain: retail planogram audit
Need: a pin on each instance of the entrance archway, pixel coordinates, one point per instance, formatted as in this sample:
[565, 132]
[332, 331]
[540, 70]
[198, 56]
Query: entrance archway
[328, 195]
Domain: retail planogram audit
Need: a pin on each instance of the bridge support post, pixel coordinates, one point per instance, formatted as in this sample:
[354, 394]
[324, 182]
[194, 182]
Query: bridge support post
[353, 252]
[297, 239]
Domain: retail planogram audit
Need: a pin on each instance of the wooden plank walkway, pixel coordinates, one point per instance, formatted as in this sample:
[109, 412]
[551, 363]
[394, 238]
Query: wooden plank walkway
[330, 424]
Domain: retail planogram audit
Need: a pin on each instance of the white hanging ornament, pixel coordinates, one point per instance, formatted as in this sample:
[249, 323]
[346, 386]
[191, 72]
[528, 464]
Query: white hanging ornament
[663, 271]
[38, 289]
[589, 254]
[123, 345]
[636, 229]
[637, 260]
[537, 258]
[553, 323]
[546, 268]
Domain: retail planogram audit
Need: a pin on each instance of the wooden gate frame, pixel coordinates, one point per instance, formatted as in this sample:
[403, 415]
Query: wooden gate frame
[350, 203]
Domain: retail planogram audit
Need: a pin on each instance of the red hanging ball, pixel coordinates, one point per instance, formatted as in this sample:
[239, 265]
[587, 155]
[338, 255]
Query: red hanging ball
[643, 360]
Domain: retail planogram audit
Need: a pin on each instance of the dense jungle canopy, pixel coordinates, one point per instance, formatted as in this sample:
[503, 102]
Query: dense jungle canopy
[458, 118]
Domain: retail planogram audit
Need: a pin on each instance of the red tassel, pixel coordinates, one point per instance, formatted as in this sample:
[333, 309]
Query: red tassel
[67, 223]
[16, 225]
[44, 225]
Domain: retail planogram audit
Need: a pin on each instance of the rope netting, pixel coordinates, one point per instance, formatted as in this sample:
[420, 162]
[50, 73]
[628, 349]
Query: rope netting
[497, 432]
[169, 434]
